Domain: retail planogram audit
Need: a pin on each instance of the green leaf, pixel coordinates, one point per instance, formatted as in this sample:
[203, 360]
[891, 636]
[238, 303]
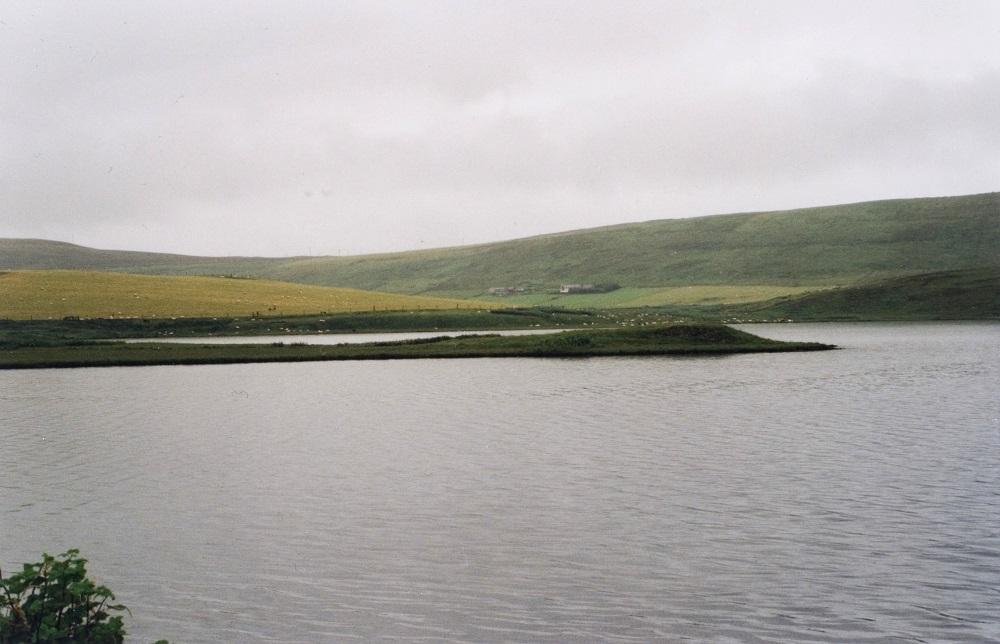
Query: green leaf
[54, 601]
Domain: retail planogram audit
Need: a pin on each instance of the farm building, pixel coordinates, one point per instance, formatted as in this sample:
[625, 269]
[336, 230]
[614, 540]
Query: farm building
[503, 291]
[576, 288]
[588, 288]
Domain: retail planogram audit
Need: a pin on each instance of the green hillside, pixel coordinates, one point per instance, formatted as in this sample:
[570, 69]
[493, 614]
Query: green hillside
[826, 246]
[949, 295]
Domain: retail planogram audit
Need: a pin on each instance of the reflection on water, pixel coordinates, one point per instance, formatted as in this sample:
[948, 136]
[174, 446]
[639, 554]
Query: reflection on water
[834, 496]
[337, 338]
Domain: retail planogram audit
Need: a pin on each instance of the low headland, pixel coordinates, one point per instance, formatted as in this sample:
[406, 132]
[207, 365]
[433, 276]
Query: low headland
[674, 339]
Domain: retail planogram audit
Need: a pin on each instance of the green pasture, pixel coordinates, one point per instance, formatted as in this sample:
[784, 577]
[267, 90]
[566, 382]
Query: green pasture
[92, 294]
[631, 297]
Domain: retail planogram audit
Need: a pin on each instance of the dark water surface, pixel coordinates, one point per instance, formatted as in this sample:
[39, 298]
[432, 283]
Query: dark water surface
[335, 338]
[838, 496]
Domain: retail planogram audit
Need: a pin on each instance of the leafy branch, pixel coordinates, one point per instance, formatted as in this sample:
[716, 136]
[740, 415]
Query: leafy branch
[54, 601]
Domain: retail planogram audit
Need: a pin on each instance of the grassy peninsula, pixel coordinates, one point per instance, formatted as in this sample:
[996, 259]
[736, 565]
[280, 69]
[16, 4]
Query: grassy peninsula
[677, 339]
[58, 332]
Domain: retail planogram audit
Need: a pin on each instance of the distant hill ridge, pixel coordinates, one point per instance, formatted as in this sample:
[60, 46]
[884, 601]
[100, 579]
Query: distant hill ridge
[831, 245]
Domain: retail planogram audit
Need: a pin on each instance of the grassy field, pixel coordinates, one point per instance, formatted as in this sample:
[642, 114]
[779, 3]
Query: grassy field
[662, 340]
[56, 294]
[826, 246]
[630, 297]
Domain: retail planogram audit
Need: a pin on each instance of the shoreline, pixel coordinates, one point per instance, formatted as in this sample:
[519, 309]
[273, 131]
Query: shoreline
[678, 339]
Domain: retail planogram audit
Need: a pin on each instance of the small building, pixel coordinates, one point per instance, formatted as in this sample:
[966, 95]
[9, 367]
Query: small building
[588, 288]
[576, 288]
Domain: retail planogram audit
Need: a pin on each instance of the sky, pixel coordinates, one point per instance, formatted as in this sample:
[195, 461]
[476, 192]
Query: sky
[325, 128]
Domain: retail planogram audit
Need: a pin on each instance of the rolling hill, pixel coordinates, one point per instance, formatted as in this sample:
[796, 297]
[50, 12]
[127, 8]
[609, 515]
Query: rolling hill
[825, 246]
[88, 294]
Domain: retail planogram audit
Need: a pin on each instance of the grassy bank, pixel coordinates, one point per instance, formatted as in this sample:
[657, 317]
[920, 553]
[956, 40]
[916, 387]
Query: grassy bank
[948, 295]
[18, 333]
[680, 339]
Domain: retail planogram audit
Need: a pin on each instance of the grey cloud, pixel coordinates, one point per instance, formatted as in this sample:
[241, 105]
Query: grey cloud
[258, 128]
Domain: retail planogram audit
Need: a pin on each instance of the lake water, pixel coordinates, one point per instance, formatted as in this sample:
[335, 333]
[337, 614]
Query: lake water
[837, 496]
[336, 338]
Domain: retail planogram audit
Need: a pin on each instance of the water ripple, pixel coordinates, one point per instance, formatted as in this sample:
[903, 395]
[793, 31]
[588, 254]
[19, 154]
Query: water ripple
[845, 496]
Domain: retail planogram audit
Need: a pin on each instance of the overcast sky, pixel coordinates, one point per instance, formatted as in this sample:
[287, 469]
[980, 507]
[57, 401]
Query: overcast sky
[279, 128]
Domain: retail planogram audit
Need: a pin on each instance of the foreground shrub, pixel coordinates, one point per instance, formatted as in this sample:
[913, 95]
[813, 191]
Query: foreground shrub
[54, 601]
